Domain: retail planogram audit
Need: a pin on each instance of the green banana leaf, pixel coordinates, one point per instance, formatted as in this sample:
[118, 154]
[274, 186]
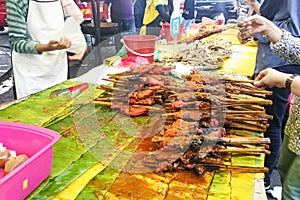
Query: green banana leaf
[100, 184]
[64, 126]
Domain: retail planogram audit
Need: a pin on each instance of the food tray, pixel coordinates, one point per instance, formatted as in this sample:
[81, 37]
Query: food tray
[37, 143]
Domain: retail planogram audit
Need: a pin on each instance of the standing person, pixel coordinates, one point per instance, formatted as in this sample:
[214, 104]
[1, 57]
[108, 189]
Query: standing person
[284, 14]
[139, 10]
[38, 61]
[121, 13]
[287, 47]
[188, 14]
[156, 12]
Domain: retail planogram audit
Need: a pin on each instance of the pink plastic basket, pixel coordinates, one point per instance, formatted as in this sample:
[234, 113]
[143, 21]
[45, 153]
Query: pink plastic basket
[37, 144]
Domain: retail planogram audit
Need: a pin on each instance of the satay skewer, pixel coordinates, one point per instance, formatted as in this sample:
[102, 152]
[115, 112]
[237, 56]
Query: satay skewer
[105, 103]
[241, 150]
[105, 87]
[116, 98]
[235, 168]
[206, 34]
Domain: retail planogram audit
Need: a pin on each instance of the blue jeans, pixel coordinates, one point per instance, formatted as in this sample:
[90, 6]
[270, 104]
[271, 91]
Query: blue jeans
[288, 168]
[187, 23]
[138, 20]
[124, 24]
[277, 110]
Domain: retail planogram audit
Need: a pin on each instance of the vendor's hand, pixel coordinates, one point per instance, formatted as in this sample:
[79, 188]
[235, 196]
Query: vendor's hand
[63, 43]
[270, 78]
[78, 56]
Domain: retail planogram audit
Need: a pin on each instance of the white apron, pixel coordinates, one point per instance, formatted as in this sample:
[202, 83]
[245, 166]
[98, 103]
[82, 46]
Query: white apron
[36, 72]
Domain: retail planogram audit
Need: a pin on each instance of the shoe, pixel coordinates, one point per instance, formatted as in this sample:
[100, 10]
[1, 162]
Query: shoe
[268, 189]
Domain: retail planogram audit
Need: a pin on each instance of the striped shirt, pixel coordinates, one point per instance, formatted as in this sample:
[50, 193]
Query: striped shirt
[17, 27]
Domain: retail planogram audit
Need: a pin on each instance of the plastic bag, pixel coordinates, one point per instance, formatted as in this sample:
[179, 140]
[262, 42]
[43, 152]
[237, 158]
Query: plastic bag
[72, 31]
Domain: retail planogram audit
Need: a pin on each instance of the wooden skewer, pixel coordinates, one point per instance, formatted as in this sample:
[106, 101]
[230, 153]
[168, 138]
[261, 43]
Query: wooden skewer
[250, 101]
[238, 119]
[247, 127]
[110, 80]
[237, 168]
[247, 91]
[229, 114]
[248, 112]
[106, 93]
[104, 103]
[253, 107]
[238, 80]
[105, 87]
[117, 98]
[251, 87]
[148, 107]
[244, 140]
[242, 150]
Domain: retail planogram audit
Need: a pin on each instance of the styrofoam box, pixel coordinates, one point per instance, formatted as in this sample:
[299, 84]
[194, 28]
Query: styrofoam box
[37, 143]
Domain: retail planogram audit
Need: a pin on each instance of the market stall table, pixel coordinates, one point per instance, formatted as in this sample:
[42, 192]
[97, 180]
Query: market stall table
[90, 165]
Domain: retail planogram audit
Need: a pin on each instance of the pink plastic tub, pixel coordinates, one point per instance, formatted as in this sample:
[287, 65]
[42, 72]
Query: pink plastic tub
[37, 144]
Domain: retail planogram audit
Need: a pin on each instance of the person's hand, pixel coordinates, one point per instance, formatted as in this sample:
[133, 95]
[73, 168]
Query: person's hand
[78, 56]
[258, 24]
[103, 18]
[63, 43]
[243, 38]
[254, 24]
[270, 78]
[250, 2]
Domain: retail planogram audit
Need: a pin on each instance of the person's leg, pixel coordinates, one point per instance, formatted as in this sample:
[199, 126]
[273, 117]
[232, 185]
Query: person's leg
[128, 25]
[187, 23]
[138, 20]
[291, 184]
[277, 109]
[285, 159]
[154, 27]
[120, 23]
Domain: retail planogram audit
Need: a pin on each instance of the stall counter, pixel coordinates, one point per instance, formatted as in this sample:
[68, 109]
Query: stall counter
[79, 174]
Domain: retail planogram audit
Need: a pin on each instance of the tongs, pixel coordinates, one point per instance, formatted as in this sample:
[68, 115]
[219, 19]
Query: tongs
[206, 34]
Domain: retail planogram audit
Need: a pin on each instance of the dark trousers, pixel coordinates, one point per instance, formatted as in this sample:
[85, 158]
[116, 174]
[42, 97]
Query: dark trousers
[276, 125]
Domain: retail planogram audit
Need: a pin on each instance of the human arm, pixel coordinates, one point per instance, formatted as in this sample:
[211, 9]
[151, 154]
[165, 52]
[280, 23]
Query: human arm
[17, 30]
[63, 43]
[163, 14]
[72, 10]
[17, 27]
[258, 24]
[282, 42]
[254, 4]
[273, 78]
[287, 17]
[105, 10]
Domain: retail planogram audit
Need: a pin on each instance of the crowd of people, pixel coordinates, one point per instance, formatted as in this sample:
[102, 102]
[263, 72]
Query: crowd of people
[29, 34]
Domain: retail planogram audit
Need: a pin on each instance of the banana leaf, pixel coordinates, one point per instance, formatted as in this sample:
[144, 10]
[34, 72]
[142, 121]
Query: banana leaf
[220, 187]
[105, 150]
[129, 129]
[64, 126]
[39, 109]
[58, 183]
